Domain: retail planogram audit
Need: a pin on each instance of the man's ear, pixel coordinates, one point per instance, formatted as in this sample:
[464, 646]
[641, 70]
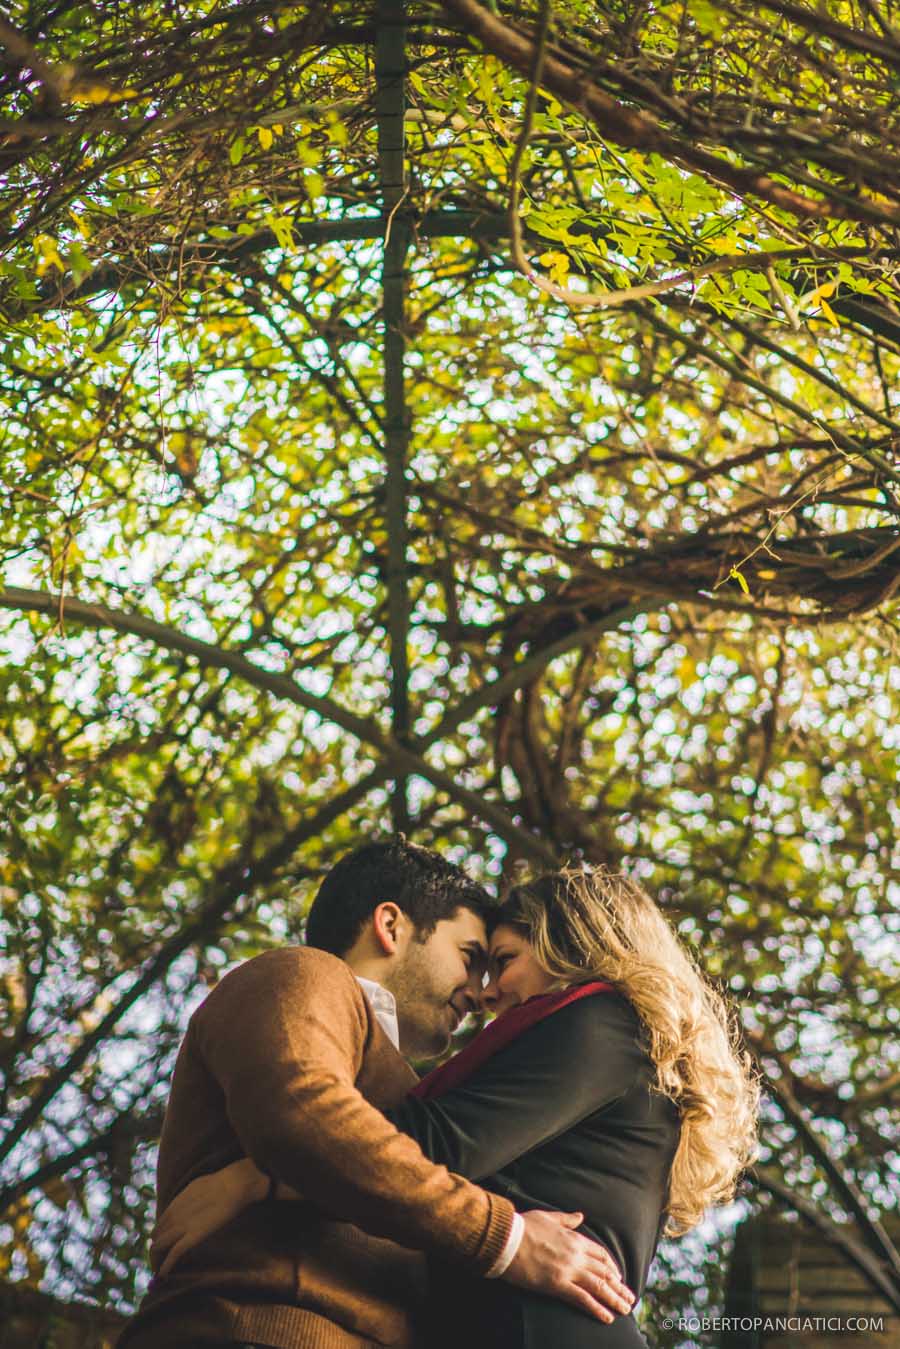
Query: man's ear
[389, 923]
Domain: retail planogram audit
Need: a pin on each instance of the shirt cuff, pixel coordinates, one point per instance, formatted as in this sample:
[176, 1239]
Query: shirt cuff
[510, 1249]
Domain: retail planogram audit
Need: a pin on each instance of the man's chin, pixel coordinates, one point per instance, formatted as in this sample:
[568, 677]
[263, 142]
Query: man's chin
[442, 1043]
[428, 1048]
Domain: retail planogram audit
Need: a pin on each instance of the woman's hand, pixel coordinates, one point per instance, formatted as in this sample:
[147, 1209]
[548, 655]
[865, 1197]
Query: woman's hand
[202, 1207]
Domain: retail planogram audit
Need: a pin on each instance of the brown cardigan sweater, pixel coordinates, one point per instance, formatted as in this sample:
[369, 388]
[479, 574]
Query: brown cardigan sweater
[285, 1062]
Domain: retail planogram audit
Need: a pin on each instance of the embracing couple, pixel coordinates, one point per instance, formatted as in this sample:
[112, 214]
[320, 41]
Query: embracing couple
[316, 1195]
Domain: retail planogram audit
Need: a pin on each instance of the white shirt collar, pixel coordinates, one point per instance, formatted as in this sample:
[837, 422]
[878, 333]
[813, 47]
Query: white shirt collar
[384, 1006]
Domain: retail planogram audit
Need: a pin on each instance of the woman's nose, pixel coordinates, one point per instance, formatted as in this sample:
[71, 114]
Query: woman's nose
[489, 996]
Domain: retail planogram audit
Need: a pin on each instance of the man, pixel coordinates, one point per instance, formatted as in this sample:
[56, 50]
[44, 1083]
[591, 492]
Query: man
[287, 1062]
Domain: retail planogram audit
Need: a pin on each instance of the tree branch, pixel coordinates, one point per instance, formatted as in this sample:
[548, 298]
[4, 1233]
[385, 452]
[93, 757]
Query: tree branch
[234, 881]
[853, 446]
[874, 1234]
[281, 686]
[642, 131]
[25, 56]
[144, 1128]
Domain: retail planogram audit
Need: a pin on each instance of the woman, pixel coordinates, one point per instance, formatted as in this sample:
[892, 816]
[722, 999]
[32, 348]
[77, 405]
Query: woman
[609, 1083]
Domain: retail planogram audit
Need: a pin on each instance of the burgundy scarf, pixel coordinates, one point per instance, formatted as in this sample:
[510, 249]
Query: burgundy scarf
[498, 1034]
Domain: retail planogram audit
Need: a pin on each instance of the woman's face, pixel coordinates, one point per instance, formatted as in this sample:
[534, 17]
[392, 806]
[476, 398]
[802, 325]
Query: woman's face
[514, 975]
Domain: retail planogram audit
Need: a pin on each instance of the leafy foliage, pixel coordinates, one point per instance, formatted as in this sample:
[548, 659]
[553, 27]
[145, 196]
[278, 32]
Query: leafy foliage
[668, 523]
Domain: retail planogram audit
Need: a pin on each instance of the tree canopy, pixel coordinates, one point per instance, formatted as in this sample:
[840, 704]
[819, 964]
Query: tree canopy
[478, 421]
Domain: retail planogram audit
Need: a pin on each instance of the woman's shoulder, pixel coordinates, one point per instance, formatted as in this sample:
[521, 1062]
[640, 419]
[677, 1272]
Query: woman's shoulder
[606, 1017]
[608, 1005]
[607, 1021]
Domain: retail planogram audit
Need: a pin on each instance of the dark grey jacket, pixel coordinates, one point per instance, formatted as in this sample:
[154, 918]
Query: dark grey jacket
[564, 1118]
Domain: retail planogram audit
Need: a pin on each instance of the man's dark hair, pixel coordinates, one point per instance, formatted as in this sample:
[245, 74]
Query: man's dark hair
[423, 884]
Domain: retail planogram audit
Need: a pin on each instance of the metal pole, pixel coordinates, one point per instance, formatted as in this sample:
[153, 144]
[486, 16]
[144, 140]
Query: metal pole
[390, 76]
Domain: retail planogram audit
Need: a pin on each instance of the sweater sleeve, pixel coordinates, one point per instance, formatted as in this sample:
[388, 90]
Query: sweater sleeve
[284, 1037]
[548, 1079]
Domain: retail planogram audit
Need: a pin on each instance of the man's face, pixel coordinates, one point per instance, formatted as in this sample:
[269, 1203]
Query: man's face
[438, 981]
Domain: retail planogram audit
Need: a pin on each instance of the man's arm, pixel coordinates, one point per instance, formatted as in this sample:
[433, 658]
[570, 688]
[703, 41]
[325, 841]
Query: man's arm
[284, 1037]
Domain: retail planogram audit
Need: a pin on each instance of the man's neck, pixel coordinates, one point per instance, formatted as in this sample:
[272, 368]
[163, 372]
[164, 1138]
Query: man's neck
[370, 967]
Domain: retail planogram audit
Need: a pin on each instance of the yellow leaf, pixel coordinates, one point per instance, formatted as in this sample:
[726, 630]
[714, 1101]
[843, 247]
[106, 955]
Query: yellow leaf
[815, 296]
[735, 575]
[48, 254]
[265, 137]
[282, 227]
[557, 264]
[80, 224]
[100, 93]
[485, 84]
[829, 313]
[766, 575]
[687, 671]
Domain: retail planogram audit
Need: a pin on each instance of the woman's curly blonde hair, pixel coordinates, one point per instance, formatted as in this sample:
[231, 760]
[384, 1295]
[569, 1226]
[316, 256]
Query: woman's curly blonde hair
[594, 924]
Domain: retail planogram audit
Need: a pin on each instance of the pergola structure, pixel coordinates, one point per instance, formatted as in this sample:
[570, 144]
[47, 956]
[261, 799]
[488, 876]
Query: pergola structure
[615, 481]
